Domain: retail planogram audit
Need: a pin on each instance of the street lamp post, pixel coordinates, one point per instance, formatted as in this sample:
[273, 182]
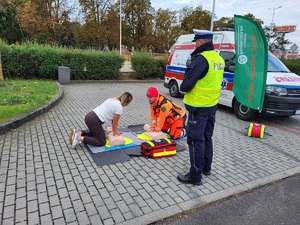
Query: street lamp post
[274, 12]
[212, 17]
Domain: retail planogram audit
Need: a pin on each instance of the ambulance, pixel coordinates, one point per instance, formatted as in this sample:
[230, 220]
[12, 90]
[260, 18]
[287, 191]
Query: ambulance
[282, 96]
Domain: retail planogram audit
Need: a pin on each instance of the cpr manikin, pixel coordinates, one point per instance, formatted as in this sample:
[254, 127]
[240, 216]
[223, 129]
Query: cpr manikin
[114, 140]
[152, 134]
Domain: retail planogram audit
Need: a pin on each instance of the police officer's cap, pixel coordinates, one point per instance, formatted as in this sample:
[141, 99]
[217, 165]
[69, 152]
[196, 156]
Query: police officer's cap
[202, 34]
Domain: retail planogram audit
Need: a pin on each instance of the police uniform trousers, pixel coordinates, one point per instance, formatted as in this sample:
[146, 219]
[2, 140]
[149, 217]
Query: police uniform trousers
[200, 127]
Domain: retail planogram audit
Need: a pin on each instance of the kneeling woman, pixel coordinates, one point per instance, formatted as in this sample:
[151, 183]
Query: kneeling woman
[110, 110]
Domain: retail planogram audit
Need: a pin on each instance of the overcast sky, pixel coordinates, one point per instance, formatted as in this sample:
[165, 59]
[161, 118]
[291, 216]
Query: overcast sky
[288, 14]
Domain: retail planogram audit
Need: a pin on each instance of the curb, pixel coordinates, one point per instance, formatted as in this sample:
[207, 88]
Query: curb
[206, 201]
[19, 121]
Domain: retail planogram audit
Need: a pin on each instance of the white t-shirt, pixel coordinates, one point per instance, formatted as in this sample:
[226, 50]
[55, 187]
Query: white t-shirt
[108, 109]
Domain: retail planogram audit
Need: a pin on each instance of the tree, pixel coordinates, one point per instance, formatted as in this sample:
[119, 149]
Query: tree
[9, 24]
[65, 33]
[138, 17]
[53, 22]
[195, 19]
[182, 14]
[251, 16]
[112, 25]
[95, 32]
[98, 33]
[42, 19]
[224, 22]
[95, 10]
[164, 21]
[276, 40]
[228, 22]
[2, 84]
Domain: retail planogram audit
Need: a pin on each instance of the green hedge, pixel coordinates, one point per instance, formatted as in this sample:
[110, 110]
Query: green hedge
[29, 60]
[146, 66]
[37, 61]
[293, 65]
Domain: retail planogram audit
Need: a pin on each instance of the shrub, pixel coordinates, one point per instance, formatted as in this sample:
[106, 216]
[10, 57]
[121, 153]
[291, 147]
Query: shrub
[42, 61]
[146, 66]
[293, 65]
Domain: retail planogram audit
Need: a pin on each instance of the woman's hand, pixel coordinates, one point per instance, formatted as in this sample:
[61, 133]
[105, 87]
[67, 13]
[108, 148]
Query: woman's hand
[118, 133]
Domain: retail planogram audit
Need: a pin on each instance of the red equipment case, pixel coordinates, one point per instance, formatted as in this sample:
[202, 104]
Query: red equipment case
[158, 148]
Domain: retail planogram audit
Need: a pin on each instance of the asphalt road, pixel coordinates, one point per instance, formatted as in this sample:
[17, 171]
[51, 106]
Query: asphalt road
[274, 204]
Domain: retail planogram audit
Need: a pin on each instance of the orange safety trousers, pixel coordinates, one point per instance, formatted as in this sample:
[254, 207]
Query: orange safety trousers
[175, 129]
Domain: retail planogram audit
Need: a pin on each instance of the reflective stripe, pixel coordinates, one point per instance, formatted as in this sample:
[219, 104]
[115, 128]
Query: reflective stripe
[164, 153]
[250, 129]
[262, 132]
[150, 143]
[206, 91]
[168, 140]
[204, 101]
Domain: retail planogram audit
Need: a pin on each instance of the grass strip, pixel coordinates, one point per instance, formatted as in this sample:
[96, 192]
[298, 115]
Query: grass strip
[19, 97]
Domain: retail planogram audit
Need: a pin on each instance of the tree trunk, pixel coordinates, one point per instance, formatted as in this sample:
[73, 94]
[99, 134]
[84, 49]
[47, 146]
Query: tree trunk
[2, 84]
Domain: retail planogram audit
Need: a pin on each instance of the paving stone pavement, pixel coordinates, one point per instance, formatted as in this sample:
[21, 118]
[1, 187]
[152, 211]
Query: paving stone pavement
[44, 181]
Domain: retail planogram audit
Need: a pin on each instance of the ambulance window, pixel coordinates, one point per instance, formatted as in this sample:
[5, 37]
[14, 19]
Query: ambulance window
[229, 58]
[275, 65]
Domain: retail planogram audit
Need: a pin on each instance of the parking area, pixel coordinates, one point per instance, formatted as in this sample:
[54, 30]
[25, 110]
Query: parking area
[44, 181]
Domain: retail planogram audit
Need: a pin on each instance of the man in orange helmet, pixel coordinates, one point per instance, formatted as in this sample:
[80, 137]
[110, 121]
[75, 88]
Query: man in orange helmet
[166, 116]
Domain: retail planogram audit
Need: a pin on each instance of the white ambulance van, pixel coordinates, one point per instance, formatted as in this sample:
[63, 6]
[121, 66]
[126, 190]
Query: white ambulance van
[282, 97]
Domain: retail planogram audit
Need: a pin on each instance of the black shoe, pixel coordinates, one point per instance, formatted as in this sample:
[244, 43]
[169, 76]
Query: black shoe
[188, 180]
[206, 172]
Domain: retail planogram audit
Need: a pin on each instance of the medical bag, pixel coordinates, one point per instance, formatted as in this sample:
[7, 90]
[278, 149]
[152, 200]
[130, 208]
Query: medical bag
[256, 130]
[158, 148]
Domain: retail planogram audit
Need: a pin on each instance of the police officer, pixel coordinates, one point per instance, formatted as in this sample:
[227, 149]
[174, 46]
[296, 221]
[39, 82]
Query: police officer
[202, 86]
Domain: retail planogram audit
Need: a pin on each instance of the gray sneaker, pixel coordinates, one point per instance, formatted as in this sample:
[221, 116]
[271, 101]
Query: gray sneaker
[76, 140]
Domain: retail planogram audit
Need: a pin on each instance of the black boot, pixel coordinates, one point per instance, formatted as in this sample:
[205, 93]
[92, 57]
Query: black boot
[187, 179]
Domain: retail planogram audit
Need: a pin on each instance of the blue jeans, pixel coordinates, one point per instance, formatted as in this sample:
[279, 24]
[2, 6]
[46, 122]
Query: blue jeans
[200, 129]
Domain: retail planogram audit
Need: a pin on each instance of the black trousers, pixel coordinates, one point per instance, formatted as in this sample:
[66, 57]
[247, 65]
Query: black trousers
[200, 128]
[96, 134]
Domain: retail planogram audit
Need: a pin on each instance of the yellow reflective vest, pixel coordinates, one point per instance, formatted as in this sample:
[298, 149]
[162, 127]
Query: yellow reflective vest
[207, 90]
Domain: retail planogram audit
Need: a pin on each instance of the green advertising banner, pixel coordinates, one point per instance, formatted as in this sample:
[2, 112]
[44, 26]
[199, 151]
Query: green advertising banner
[251, 62]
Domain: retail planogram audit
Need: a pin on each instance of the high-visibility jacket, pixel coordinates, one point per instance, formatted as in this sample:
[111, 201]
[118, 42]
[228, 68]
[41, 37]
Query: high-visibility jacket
[164, 111]
[207, 90]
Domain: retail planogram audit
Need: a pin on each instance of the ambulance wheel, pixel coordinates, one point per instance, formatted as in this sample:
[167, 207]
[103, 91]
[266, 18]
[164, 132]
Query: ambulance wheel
[244, 112]
[174, 90]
